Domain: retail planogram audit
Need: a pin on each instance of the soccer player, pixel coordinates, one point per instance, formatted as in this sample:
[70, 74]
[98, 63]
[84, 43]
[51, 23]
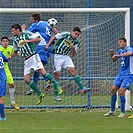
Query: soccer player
[45, 31]
[2, 85]
[67, 42]
[24, 42]
[124, 78]
[7, 50]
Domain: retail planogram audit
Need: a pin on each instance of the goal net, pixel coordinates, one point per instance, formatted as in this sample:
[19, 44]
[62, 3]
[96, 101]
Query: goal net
[101, 29]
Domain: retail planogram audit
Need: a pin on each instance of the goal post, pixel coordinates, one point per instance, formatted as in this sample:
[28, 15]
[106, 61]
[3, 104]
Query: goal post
[101, 28]
[127, 36]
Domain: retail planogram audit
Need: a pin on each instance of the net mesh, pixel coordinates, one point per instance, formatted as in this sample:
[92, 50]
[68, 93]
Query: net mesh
[100, 32]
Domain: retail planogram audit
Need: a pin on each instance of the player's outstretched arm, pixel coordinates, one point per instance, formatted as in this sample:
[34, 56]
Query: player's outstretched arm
[54, 30]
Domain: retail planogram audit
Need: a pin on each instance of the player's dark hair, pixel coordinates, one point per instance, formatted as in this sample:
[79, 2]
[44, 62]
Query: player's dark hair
[17, 26]
[36, 16]
[124, 39]
[4, 37]
[76, 29]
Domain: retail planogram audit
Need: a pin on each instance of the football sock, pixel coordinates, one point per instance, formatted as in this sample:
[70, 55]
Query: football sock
[34, 87]
[78, 81]
[122, 103]
[51, 78]
[12, 97]
[2, 113]
[113, 101]
[36, 77]
[55, 90]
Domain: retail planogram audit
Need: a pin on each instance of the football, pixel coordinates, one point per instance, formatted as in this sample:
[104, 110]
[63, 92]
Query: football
[52, 22]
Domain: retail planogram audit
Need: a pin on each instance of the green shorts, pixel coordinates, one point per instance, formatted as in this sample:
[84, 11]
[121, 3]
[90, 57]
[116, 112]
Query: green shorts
[9, 79]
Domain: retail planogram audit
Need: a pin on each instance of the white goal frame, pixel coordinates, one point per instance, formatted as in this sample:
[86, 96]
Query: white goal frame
[87, 10]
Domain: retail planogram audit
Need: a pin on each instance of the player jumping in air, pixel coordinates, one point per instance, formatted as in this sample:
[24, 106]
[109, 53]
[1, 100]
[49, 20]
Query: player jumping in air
[66, 42]
[45, 31]
[124, 78]
[7, 50]
[24, 42]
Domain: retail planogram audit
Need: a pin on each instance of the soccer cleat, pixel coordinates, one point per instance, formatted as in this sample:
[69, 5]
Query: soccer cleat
[40, 98]
[130, 117]
[57, 98]
[48, 85]
[84, 90]
[122, 115]
[110, 113]
[60, 91]
[29, 92]
[15, 106]
[2, 119]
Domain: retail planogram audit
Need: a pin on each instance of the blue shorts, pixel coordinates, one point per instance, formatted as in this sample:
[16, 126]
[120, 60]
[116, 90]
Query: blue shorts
[124, 81]
[3, 88]
[44, 54]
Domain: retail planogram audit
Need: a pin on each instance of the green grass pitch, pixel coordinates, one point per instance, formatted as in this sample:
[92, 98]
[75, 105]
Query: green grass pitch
[64, 121]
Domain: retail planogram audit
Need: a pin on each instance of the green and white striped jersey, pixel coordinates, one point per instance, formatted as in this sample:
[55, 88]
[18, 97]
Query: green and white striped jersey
[29, 48]
[62, 46]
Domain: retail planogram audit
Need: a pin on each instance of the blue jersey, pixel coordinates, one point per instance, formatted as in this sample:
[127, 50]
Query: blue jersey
[126, 62]
[43, 28]
[45, 32]
[2, 71]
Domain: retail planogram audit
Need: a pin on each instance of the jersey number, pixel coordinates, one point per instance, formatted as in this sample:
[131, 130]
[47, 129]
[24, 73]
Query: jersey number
[48, 32]
[1, 63]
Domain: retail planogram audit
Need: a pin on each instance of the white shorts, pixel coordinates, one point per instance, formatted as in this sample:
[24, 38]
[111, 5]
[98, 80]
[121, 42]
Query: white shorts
[62, 61]
[34, 63]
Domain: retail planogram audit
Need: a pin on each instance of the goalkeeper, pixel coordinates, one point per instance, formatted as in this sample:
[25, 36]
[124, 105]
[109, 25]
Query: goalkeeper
[7, 50]
[67, 42]
[45, 31]
[24, 42]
